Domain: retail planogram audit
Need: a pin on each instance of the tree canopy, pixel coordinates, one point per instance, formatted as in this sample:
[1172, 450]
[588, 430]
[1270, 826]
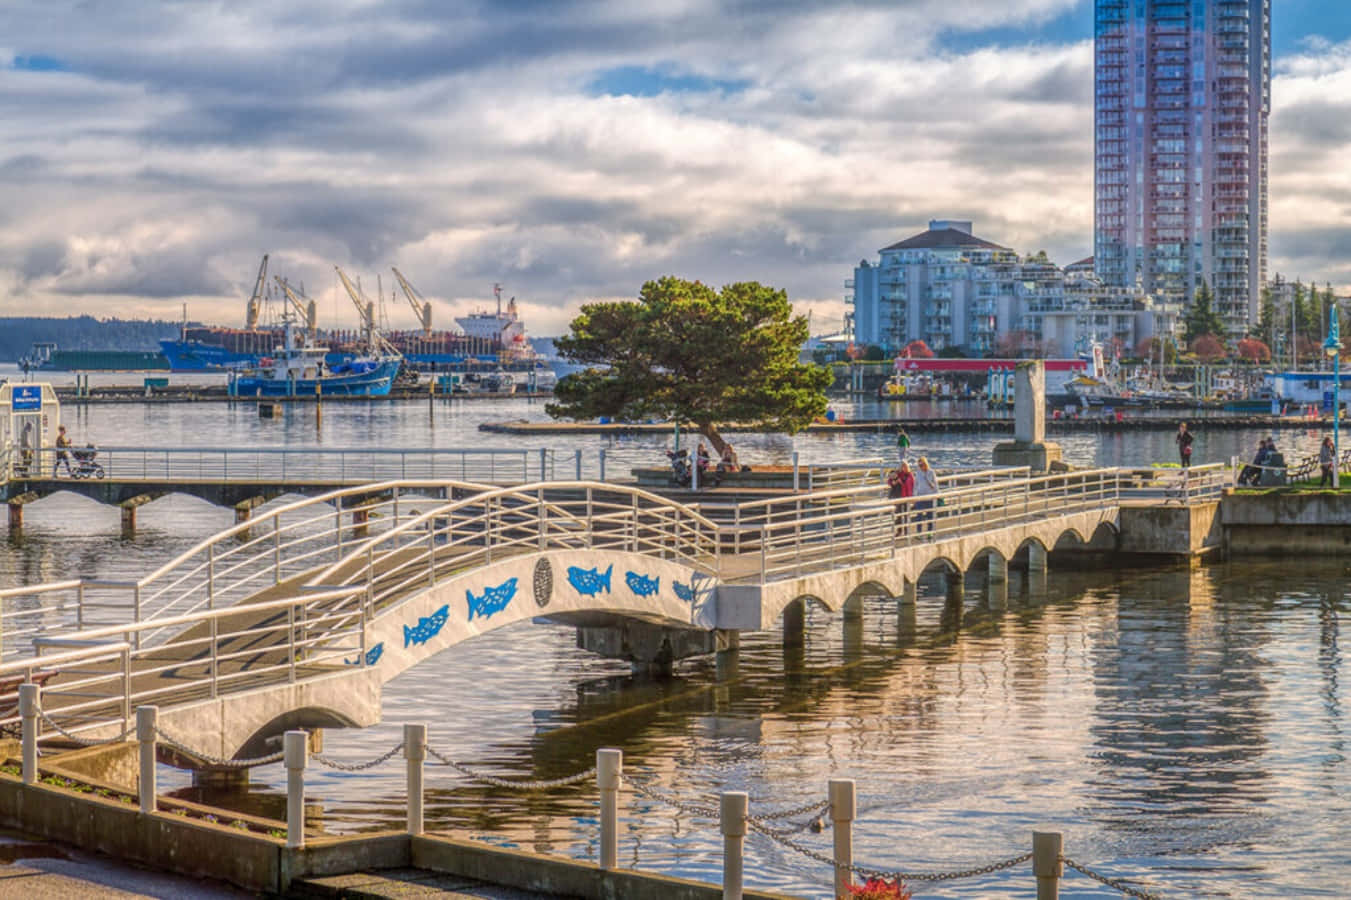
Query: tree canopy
[1201, 317]
[683, 350]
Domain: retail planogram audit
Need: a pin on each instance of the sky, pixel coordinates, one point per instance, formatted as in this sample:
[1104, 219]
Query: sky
[571, 150]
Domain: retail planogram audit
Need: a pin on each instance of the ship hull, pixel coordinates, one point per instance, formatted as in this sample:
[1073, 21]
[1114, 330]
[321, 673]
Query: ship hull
[374, 383]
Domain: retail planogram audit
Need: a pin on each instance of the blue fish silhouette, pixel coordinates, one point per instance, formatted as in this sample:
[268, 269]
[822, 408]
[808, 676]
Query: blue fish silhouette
[372, 656]
[642, 585]
[427, 627]
[683, 591]
[590, 581]
[494, 599]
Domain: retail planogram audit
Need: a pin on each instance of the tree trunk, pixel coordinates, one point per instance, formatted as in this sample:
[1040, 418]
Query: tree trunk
[719, 445]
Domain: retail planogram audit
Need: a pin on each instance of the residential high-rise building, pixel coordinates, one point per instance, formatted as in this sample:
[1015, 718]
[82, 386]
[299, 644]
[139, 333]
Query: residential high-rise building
[1183, 93]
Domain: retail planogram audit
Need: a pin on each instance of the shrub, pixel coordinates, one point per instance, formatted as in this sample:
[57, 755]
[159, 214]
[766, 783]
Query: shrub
[879, 889]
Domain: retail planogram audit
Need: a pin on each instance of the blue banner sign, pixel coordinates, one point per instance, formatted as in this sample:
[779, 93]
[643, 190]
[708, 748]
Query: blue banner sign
[26, 397]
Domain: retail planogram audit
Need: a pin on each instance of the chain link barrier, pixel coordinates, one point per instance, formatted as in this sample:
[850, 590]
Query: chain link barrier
[83, 742]
[506, 783]
[216, 761]
[1112, 883]
[357, 767]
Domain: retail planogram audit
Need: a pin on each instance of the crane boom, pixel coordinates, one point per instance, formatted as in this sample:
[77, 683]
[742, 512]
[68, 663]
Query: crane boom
[366, 312]
[256, 298]
[304, 307]
[421, 308]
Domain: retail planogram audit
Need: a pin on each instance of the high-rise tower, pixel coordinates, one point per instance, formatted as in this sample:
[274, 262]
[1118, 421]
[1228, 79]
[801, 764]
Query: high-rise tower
[1183, 92]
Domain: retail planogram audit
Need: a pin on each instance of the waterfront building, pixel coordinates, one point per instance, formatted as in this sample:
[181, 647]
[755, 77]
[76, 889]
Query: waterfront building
[956, 291]
[1183, 94]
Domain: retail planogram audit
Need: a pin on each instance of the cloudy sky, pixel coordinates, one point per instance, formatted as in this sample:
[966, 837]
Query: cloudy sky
[153, 151]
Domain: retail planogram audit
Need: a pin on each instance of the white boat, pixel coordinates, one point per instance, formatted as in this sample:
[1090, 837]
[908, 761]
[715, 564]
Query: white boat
[299, 369]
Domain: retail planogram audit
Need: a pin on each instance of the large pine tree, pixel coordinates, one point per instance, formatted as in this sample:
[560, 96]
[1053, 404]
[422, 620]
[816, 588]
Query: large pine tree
[1201, 316]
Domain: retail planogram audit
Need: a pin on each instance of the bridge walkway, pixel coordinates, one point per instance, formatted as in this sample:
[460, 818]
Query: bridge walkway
[305, 613]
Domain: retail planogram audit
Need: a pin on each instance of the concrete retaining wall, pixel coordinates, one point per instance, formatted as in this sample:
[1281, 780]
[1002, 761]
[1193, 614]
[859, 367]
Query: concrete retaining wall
[1279, 523]
[1186, 531]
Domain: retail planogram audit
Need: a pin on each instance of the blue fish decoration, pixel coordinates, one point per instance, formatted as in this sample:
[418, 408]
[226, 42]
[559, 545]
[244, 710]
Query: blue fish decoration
[683, 591]
[372, 656]
[642, 585]
[590, 582]
[494, 599]
[427, 627]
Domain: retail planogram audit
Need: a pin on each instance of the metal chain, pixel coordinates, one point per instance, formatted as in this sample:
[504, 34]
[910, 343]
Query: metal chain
[644, 790]
[216, 760]
[514, 785]
[83, 742]
[1110, 882]
[357, 767]
[819, 806]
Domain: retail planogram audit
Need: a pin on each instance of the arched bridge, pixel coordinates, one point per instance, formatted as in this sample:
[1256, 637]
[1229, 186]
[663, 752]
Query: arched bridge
[297, 618]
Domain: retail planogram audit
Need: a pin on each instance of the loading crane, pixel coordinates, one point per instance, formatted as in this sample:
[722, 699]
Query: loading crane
[366, 312]
[421, 307]
[304, 307]
[255, 306]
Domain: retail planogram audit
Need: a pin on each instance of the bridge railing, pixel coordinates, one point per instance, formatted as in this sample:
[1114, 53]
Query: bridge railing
[326, 464]
[497, 524]
[1170, 483]
[815, 534]
[96, 679]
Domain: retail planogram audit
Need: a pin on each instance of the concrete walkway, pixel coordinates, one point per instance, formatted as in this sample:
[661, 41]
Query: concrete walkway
[401, 883]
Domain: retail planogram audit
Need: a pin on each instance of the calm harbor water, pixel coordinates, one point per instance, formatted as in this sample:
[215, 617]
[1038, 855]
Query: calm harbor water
[1183, 726]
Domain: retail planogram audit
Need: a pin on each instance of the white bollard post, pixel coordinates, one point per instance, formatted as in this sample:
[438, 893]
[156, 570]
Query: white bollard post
[1046, 863]
[602, 464]
[842, 808]
[415, 751]
[609, 766]
[797, 481]
[146, 719]
[733, 820]
[30, 699]
[295, 746]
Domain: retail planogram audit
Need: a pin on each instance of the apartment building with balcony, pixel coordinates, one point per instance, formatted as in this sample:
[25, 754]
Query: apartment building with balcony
[1182, 99]
[953, 290]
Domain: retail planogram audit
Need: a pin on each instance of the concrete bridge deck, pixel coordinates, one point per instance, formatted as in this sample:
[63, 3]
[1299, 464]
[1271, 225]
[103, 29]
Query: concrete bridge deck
[297, 618]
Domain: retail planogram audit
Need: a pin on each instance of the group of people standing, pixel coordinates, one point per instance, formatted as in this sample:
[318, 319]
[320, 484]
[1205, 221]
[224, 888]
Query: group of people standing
[921, 481]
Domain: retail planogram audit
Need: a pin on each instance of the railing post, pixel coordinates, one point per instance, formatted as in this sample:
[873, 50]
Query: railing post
[609, 765]
[291, 644]
[126, 686]
[30, 701]
[577, 455]
[733, 821]
[796, 473]
[396, 504]
[211, 576]
[1046, 863]
[79, 607]
[415, 751]
[842, 808]
[215, 657]
[602, 464]
[295, 753]
[276, 549]
[337, 523]
[146, 718]
[543, 462]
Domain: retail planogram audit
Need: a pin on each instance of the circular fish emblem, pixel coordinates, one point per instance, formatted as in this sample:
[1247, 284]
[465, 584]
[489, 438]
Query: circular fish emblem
[543, 582]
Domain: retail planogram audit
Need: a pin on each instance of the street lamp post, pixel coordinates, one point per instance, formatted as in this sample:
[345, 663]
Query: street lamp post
[1333, 348]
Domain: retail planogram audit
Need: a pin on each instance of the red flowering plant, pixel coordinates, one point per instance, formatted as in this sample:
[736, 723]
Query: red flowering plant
[879, 889]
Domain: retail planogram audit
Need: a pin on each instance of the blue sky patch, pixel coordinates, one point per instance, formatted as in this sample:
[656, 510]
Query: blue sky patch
[641, 81]
[39, 63]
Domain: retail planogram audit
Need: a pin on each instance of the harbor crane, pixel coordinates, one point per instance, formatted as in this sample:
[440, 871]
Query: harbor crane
[305, 307]
[366, 312]
[421, 307]
[255, 306]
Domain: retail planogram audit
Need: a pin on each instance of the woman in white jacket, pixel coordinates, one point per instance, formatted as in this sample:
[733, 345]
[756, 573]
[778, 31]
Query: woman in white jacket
[926, 484]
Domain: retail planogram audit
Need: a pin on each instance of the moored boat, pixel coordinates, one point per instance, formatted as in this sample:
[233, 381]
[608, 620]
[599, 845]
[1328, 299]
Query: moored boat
[300, 369]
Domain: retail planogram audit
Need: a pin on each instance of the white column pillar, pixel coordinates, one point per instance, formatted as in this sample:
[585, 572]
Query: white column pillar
[295, 746]
[30, 701]
[146, 719]
[733, 820]
[1046, 863]
[842, 809]
[415, 752]
[609, 766]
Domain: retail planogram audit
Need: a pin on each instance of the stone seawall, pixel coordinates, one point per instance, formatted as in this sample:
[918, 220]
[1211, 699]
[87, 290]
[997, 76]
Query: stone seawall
[1280, 523]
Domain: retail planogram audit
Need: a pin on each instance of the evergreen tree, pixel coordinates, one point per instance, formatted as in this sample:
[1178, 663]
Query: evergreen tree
[1265, 329]
[1201, 316]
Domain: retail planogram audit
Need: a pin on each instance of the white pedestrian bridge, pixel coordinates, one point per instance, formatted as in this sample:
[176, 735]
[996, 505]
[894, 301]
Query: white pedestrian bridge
[296, 618]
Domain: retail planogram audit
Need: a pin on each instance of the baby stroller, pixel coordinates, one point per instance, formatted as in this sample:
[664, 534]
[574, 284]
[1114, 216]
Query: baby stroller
[85, 465]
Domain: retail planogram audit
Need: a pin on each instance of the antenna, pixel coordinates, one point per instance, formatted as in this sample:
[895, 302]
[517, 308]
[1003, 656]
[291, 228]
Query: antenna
[497, 292]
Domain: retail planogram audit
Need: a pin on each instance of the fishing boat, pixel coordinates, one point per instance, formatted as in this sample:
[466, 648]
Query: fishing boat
[299, 369]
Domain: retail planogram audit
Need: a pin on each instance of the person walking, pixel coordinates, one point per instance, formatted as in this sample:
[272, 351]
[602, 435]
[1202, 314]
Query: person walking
[901, 484]
[62, 457]
[1327, 464]
[902, 442]
[1184, 445]
[926, 485]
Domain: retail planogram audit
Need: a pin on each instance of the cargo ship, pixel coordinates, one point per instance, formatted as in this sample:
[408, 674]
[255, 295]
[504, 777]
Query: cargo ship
[490, 341]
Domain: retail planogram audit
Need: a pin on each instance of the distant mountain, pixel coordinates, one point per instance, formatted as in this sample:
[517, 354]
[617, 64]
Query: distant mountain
[19, 333]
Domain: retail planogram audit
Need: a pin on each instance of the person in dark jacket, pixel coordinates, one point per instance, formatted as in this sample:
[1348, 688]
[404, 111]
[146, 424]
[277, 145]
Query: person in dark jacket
[1184, 445]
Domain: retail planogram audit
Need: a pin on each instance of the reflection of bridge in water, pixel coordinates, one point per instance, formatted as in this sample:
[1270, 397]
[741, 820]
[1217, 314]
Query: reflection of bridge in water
[296, 618]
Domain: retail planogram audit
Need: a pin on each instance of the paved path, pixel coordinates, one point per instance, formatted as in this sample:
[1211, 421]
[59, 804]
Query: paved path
[401, 883]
